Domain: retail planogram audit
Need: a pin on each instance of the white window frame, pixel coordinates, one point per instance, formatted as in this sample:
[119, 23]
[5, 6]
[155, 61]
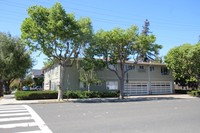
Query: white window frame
[164, 71]
[112, 85]
[130, 67]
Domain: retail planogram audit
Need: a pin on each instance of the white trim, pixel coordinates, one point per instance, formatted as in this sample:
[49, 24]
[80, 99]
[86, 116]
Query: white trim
[11, 111]
[14, 114]
[28, 124]
[41, 124]
[37, 131]
[15, 119]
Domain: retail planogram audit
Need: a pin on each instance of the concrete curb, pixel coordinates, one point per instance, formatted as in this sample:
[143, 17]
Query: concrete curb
[10, 99]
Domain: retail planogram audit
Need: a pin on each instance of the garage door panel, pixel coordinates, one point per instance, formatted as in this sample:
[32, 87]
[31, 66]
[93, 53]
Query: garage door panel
[136, 88]
[161, 88]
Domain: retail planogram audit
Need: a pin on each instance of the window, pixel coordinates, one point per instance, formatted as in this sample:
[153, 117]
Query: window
[151, 68]
[99, 84]
[130, 67]
[141, 67]
[164, 71]
[112, 85]
[82, 85]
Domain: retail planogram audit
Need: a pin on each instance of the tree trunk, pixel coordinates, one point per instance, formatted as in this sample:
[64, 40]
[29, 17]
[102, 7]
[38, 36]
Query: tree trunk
[121, 80]
[6, 86]
[1, 88]
[61, 86]
[121, 85]
[88, 87]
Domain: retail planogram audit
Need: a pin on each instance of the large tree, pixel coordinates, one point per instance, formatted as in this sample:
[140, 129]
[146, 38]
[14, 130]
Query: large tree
[57, 34]
[183, 61]
[15, 59]
[118, 45]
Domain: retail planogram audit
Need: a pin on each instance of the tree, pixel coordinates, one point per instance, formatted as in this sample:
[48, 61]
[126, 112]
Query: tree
[15, 59]
[88, 78]
[117, 46]
[88, 70]
[181, 61]
[145, 40]
[57, 34]
[194, 55]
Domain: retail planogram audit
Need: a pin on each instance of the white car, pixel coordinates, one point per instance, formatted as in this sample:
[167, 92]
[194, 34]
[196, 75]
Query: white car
[36, 88]
[25, 88]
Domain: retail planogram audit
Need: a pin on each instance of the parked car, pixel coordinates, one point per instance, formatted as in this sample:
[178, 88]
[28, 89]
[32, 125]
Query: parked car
[25, 88]
[36, 88]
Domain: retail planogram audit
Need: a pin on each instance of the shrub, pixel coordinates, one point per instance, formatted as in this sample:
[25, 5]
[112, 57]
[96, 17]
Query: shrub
[31, 95]
[180, 91]
[109, 94]
[195, 93]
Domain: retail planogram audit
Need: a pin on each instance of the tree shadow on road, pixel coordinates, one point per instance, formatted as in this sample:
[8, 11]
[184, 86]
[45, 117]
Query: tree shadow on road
[113, 100]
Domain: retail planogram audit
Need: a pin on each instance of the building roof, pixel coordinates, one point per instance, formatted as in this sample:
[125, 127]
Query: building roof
[36, 73]
[146, 63]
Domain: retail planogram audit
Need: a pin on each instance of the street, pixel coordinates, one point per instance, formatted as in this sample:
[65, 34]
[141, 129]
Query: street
[158, 116]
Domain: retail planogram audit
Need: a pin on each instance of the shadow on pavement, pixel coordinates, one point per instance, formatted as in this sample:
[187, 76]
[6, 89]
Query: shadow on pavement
[124, 100]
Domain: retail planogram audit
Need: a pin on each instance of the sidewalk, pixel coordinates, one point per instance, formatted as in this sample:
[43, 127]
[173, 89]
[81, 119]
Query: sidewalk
[10, 99]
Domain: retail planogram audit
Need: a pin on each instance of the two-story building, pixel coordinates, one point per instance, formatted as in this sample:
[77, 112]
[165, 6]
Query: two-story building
[142, 78]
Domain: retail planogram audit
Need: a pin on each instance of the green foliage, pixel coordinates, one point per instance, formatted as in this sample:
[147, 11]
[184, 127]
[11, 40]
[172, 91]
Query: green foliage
[57, 34]
[33, 95]
[88, 77]
[118, 45]
[15, 60]
[181, 91]
[195, 93]
[184, 63]
[38, 81]
[27, 81]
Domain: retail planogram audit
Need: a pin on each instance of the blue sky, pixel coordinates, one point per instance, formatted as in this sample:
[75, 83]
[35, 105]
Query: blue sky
[173, 22]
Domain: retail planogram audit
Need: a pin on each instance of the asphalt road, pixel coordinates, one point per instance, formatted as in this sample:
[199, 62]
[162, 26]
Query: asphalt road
[159, 116]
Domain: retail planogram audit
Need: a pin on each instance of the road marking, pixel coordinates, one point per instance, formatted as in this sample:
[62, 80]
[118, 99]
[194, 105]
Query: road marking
[44, 128]
[37, 131]
[15, 119]
[15, 114]
[10, 108]
[28, 124]
[18, 115]
[11, 111]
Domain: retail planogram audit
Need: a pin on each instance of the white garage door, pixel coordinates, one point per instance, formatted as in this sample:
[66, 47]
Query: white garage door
[136, 88]
[161, 87]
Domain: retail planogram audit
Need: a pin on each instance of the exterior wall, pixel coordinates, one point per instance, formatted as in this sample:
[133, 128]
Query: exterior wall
[137, 75]
[52, 77]
[109, 79]
[144, 75]
[71, 81]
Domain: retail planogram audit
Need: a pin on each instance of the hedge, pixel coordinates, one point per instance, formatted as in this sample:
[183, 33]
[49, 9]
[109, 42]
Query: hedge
[180, 91]
[195, 93]
[33, 95]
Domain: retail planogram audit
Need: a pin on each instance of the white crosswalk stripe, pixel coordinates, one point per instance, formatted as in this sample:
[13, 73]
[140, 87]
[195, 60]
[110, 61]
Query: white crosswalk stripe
[21, 119]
